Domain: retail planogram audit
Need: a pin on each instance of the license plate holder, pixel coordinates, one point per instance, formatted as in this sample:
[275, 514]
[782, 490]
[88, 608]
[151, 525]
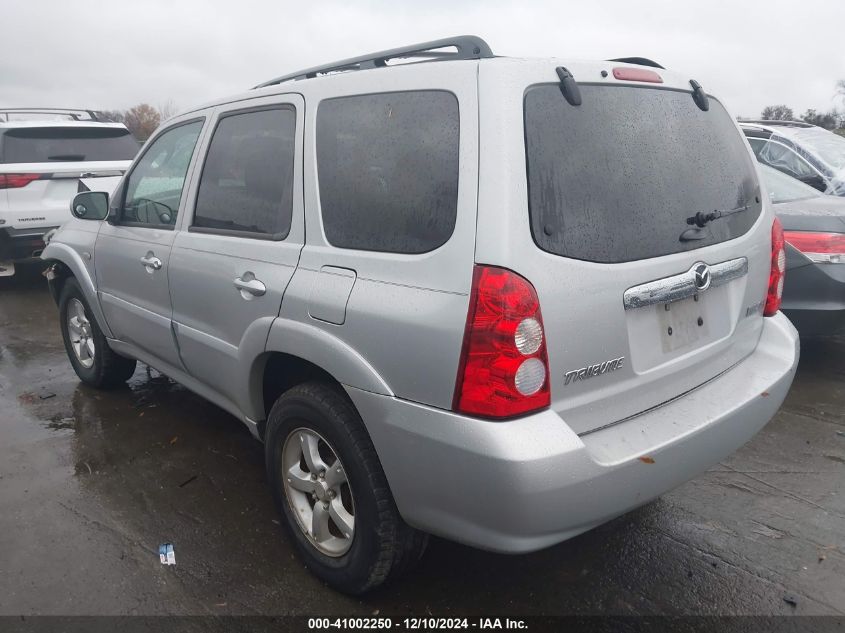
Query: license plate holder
[682, 323]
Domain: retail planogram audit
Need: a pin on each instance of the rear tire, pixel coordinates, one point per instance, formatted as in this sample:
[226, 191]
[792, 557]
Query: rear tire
[382, 545]
[92, 359]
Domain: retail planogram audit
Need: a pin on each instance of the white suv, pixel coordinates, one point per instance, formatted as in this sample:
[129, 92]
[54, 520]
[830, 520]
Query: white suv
[47, 156]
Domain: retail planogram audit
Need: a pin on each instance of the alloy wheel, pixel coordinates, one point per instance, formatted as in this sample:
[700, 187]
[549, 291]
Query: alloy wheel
[318, 492]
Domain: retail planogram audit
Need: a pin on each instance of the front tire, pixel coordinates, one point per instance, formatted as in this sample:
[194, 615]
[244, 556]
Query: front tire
[92, 359]
[328, 483]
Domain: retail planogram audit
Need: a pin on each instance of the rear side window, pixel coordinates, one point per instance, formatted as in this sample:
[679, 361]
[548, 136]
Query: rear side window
[388, 170]
[616, 178]
[247, 181]
[62, 144]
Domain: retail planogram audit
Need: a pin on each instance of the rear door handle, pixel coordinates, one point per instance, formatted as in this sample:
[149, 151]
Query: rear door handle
[151, 262]
[249, 286]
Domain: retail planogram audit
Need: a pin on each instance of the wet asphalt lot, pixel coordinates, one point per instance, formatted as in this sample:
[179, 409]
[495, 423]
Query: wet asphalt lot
[92, 482]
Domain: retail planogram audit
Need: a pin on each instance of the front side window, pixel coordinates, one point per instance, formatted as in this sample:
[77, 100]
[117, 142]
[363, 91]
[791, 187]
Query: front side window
[247, 181]
[388, 170]
[155, 185]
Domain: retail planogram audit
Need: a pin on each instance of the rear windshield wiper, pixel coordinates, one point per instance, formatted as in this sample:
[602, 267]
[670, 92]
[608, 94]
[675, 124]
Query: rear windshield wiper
[702, 219]
[67, 157]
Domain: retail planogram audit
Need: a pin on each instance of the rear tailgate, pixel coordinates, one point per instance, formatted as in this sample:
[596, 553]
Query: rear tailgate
[610, 185]
[45, 198]
[43, 165]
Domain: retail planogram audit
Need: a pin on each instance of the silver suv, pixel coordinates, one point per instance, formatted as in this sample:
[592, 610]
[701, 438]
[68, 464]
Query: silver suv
[497, 300]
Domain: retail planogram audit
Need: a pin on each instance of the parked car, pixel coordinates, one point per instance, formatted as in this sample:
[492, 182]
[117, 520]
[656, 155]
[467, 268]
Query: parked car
[415, 285]
[814, 230]
[809, 153]
[43, 154]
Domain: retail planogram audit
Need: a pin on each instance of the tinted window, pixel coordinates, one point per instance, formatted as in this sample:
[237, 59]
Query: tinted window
[616, 178]
[388, 170]
[56, 144]
[247, 180]
[155, 185]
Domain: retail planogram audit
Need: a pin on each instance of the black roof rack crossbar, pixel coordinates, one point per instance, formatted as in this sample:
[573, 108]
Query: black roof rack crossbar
[639, 61]
[467, 47]
[75, 113]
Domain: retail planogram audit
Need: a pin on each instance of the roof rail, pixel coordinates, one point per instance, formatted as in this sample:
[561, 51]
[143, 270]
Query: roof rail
[776, 122]
[468, 47]
[639, 61]
[75, 114]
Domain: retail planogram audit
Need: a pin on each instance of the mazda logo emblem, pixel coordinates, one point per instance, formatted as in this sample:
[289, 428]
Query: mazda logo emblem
[701, 276]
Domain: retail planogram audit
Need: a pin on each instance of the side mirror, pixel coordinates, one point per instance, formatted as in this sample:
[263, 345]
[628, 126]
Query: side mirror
[90, 205]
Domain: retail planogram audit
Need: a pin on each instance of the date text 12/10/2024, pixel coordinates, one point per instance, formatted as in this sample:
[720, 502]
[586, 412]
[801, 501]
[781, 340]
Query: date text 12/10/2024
[416, 624]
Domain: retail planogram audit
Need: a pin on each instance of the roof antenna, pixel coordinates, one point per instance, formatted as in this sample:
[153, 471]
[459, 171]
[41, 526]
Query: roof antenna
[568, 86]
[699, 96]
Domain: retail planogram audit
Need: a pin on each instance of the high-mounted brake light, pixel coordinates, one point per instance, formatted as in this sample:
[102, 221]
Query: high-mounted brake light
[504, 369]
[776, 273]
[16, 181]
[821, 248]
[637, 74]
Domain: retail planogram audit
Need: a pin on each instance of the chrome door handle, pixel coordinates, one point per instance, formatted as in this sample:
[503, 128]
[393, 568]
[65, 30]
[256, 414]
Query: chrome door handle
[151, 262]
[249, 286]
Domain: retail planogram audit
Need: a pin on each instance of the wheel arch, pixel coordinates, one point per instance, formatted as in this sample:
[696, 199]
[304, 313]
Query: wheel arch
[298, 352]
[64, 263]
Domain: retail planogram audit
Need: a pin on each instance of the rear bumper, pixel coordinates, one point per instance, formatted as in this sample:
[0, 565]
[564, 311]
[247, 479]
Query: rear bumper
[22, 244]
[814, 298]
[526, 484]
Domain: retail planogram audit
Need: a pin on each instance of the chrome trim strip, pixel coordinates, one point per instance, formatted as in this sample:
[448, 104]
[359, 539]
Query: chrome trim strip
[682, 286]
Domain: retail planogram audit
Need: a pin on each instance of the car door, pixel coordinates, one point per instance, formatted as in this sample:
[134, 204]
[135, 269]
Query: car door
[240, 242]
[132, 252]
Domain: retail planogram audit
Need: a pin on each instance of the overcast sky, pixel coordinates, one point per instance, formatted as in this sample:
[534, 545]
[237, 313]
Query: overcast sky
[112, 54]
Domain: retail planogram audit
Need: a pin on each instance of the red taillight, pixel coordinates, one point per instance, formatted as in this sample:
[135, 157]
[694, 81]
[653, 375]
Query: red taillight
[776, 273]
[16, 181]
[504, 370]
[637, 74]
[822, 248]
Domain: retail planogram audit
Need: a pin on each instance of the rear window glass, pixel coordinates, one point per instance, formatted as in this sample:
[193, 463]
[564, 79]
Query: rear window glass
[616, 178]
[388, 170]
[61, 144]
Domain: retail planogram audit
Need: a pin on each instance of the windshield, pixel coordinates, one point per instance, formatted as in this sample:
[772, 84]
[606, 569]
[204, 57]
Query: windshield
[829, 147]
[616, 178]
[783, 188]
[62, 144]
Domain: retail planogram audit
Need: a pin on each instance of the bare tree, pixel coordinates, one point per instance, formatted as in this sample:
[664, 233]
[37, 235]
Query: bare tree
[777, 113]
[827, 120]
[142, 120]
[167, 109]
